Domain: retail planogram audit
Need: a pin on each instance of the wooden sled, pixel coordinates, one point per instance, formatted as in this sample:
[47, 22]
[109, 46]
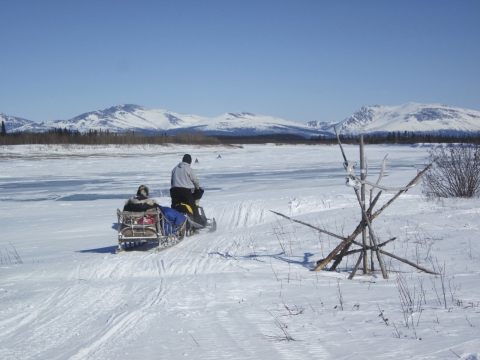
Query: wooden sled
[151, 226]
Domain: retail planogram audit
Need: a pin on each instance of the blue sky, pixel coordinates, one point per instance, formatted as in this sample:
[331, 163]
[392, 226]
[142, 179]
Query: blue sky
[299, 60]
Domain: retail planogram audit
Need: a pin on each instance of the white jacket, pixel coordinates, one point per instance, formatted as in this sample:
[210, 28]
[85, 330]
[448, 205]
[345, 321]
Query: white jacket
[183, 176]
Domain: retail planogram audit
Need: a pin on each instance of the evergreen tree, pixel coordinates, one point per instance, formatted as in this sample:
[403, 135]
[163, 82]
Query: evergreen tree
[4, 130]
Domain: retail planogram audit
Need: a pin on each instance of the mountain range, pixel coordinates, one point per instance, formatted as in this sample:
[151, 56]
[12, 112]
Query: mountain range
[414, 117]
[420, 118]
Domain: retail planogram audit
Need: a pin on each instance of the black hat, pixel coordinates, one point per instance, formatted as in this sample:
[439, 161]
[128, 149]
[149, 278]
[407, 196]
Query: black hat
[187, 158]
[142, 191]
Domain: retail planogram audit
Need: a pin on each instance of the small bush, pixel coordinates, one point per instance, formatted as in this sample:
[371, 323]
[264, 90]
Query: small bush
[456, 173]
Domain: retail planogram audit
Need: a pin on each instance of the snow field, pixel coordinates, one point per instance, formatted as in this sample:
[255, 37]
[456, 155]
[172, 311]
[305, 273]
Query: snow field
[244, 290]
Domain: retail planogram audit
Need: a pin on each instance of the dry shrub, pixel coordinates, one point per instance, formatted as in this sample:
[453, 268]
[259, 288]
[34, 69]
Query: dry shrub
[456, 173]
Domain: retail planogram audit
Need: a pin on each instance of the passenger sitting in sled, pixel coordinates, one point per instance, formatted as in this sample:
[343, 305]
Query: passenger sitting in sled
[141, 202]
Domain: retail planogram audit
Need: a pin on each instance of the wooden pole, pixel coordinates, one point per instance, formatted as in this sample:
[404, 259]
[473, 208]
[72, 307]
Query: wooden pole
[338, 260]
[372, 236]
[357, 264]
[362, 204]
[409, 263]
[311, 226]
[372, 264]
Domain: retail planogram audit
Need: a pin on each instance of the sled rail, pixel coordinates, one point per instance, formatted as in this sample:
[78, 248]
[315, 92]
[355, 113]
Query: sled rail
[137, 228]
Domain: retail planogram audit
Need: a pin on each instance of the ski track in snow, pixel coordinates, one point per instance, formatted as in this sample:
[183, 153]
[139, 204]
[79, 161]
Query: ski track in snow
[99, 301]
[247, 213]
[93, 299]
[219, 295]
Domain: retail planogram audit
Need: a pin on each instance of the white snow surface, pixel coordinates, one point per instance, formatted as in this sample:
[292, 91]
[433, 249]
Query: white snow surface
[244, 291]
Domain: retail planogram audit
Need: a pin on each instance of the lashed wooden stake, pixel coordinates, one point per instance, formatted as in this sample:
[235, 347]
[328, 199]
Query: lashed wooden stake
[373, 237]
[322, 263]
[342, 249]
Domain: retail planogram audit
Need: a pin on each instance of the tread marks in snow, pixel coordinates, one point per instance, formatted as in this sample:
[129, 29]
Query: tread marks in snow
[248, 213]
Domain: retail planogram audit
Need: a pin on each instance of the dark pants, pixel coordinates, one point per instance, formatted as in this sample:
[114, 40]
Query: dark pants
[185, 195]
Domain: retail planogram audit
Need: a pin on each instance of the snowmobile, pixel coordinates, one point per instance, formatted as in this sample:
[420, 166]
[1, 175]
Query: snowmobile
[207, 224]
[160, 225]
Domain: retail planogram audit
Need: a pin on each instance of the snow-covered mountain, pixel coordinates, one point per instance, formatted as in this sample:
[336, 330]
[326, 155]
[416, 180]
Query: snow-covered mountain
[12, 122]
[432, 118]
[322, 125]
[244, 124]
[120, 119]
[419, 118]
[141, 119]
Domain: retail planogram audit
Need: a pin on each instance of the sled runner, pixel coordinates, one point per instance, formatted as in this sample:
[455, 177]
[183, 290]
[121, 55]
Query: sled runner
[151, 226]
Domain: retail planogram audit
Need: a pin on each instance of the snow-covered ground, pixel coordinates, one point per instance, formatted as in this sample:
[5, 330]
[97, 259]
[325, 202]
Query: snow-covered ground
[244, 292]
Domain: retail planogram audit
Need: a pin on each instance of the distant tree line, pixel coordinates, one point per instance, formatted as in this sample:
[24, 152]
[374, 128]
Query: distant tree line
[405, 137]
[99, 137]
[262, 139]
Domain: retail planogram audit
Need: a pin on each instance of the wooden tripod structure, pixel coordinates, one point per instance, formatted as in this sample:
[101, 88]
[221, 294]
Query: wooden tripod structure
[343, 249]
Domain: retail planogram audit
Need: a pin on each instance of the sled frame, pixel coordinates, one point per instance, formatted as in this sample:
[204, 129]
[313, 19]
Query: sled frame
[132, 234]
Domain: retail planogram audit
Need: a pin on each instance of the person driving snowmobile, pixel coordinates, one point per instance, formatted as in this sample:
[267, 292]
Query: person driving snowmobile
[182, 180]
